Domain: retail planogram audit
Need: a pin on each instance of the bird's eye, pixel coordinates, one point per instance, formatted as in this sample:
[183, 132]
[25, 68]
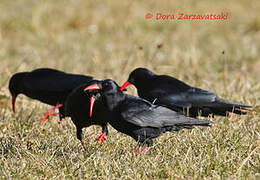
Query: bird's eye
[105, 84]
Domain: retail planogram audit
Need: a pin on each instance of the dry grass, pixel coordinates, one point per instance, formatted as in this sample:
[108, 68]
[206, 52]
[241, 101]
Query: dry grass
[108, 40]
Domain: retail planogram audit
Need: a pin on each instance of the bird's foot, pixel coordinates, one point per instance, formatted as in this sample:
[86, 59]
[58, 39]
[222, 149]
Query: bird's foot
[59, 121]
[51, 113]
[102, 137]
[144, 150]
[135, 149]
[84, 146]
[48, 114]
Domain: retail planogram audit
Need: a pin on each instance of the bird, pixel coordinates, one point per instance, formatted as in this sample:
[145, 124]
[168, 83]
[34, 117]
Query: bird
[139, 118]
[172, 93]
[47, 85]
[79, 109]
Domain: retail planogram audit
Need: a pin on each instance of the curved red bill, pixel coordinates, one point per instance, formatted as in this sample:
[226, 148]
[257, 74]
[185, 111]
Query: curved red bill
[92, 87]
[13, 102]
[127, 83]
[92, 101]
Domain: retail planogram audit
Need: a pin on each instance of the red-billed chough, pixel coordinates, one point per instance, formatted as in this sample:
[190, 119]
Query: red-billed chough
[47, 85]
[172, 93]
[78, 107]
[139, 118]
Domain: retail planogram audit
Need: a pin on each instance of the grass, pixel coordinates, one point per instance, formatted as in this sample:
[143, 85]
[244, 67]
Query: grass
[109, 40]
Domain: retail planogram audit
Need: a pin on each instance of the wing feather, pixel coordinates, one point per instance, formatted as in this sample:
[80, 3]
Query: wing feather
[158, 116]
[53, 80]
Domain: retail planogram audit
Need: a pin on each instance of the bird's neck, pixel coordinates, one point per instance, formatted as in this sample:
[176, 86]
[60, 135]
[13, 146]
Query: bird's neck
[145, 82]
[114, 100]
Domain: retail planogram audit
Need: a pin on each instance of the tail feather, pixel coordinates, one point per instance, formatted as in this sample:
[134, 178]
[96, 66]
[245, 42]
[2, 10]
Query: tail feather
[222, 107]
[225, 103]
[180, 127]
[224, 111]
[194, 122]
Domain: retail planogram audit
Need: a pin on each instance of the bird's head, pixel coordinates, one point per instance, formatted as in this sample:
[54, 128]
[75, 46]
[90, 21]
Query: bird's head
[16, 86]
[109, 90]
[137, 77]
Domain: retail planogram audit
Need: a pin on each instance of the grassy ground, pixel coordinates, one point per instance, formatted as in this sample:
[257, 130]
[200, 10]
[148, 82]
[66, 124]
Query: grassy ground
[108, 40]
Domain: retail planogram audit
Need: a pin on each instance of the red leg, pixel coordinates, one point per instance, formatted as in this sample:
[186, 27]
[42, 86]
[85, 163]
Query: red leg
[51, 113]
[143, 151]
[59, 121]
[136, 148]
[102, 137]
[55, 114]
[46, 116]
[84, 146]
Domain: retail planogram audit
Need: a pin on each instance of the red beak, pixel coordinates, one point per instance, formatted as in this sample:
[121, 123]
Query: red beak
[92, 101]
[127, 83]
[13, 102]
[92, 87]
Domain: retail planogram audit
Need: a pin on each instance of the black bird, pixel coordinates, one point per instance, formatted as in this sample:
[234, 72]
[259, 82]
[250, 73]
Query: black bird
[172, 93]
[47, 85]
[77, 107]
[139, 118]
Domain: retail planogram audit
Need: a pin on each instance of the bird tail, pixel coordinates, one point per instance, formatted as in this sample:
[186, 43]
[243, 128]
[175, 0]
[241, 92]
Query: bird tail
[224, 106]
[199, 122]
[189, 122]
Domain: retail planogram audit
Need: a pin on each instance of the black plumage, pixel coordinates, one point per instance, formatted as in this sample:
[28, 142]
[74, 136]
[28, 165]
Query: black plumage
[139, 118]
[170, 92]
[47, 85]
[77, 106]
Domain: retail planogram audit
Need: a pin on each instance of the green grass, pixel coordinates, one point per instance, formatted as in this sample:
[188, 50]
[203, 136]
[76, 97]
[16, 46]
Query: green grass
[108, 40]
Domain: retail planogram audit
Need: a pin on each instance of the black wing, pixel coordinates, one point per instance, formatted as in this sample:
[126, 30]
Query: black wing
[170, 91]
[53, 80]
[166, 84]
[143, 114]
[200, 99]
[193, 97]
